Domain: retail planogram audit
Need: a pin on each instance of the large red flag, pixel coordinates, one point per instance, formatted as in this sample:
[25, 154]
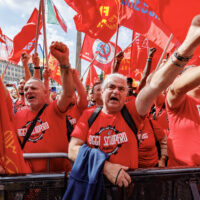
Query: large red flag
[92, 76]
[11, 156]
[25, 39]
[102, 53]
[177, 15]
[97, 18]
[137, 16]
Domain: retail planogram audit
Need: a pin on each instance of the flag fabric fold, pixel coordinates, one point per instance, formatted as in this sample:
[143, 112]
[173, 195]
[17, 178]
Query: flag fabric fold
[11, 155]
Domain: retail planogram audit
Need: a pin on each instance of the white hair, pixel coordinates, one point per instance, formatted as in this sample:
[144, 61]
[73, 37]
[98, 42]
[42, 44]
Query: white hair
[114, 75]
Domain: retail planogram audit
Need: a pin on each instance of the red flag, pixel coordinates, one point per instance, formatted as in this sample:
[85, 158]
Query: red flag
[102, 53]
[92, 77]
[98, 18]
[172, 13]
[6, 48]
[135, 57]
[55, 69]
[137, 16]
[25, 39]
[59, 18]
[173, 17]
[11, 156]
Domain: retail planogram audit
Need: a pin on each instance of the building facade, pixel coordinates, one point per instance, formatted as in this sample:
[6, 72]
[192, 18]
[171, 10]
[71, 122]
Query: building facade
[13, 73]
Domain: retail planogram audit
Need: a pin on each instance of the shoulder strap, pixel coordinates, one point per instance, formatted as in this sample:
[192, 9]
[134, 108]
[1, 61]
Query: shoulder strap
[31, 127]
[129, 120]
[94, 116]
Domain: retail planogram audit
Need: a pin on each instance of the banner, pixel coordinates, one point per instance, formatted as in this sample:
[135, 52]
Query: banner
[11, 156]
[55, 69]
[102, 53]
[137, 15]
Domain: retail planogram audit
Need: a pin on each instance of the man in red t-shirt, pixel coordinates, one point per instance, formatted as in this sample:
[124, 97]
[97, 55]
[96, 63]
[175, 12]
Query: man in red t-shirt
[109, 132]
[183, 109]
[49, 133]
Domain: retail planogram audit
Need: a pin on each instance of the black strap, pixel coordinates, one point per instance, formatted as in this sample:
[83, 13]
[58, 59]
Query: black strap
[129, 120]
[70, 128]
[125, 114]
[31, 127]
[94, 116]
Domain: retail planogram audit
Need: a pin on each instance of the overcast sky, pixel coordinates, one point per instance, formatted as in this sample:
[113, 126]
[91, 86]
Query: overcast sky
[15, 13]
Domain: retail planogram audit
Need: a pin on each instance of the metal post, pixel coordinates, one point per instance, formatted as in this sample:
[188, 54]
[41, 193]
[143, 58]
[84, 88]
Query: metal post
[78, 50]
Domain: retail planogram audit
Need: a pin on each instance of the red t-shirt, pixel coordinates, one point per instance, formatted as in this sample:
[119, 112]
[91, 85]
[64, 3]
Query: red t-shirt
[148, 154]
[184, 139]
[49, 135]
[161, 114]
[73, 115]
[111, 134]
[20, 105]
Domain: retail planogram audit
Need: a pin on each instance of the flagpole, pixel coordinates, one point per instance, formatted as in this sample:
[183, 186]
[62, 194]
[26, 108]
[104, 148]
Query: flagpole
[44, 33]
[38, 26]
[164, 51]
[116, 41]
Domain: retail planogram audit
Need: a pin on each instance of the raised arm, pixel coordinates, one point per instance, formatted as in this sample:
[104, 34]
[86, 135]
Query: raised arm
[147, 68]
[36, 62]
[163, 77]
[46, 75]
[25, 58]
[119, 58]
[61, 53]
[82, 95]
[189, 80]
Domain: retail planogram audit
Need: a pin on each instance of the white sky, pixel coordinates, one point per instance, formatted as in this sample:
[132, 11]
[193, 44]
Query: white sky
[15, 13]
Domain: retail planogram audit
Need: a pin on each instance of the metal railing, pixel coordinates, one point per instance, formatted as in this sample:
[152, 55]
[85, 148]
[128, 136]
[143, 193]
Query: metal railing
[147, 184]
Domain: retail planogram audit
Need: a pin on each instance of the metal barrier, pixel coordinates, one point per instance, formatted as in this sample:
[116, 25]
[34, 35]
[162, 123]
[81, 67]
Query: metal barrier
[47, 156]
[33, 187]
[147, 184]
[159, 184]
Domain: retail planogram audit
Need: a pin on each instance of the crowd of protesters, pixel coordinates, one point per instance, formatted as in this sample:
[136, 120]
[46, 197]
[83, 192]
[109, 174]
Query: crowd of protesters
[154, 125]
